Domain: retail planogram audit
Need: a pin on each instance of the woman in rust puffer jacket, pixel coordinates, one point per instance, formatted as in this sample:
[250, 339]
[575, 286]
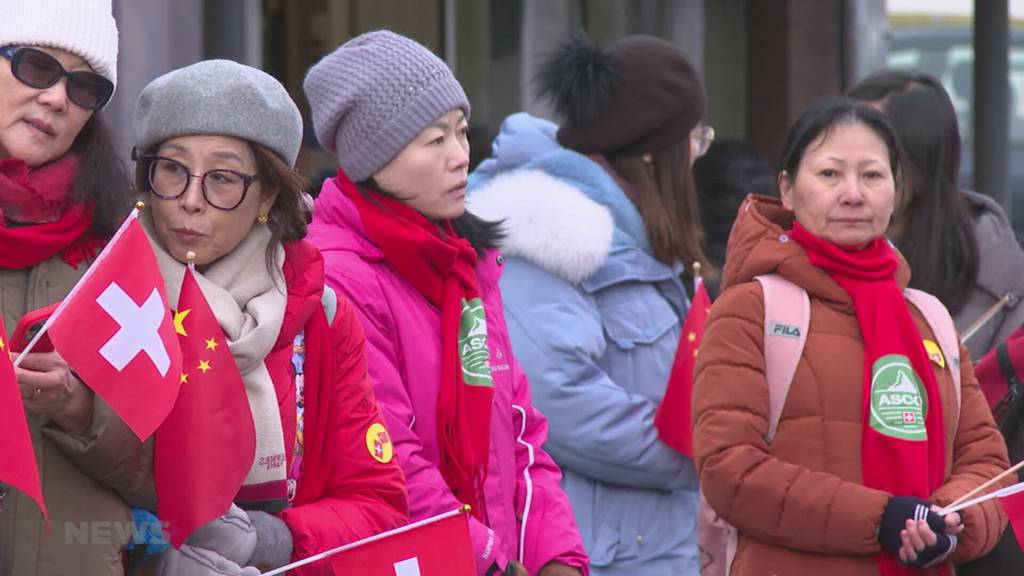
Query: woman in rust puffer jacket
[838, 492]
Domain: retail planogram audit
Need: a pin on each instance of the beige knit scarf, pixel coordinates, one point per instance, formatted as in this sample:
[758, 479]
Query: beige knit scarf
[248, 301]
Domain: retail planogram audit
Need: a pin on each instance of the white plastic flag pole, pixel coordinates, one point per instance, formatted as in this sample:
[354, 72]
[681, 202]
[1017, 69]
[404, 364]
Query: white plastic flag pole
[1019, 487]
[984, 486]
[356, 544]
[103, 254]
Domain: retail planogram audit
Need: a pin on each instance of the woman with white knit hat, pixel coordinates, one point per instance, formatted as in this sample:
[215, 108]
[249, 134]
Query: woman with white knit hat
[423, 273]
[63, 191]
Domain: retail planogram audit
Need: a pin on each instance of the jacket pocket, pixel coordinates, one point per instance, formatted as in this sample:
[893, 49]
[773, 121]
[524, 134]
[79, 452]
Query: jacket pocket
[634, 315]
[659, 525]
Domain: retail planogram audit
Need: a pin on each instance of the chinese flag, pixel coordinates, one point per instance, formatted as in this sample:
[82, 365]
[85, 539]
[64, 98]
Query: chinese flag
[114, 330]
[205, 448]
[1013, 505]
[673, 417]
[438, 546]
[17, 457]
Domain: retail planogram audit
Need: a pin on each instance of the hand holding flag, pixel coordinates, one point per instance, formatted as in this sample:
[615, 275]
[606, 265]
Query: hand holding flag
[114, 330]
[672, 419]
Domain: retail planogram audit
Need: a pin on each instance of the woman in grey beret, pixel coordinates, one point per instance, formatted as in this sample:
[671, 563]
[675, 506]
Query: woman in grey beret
[423, 272]
[63, 191]
[216, 144]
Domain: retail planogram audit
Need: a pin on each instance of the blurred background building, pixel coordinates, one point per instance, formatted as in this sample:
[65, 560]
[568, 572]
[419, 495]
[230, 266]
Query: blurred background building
[763, 61]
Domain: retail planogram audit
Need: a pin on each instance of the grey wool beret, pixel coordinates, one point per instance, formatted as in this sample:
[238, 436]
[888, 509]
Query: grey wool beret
[219, 97]
[374, 94]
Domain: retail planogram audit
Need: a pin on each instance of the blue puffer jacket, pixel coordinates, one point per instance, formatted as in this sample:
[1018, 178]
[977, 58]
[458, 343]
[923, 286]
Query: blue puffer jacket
[594, 321]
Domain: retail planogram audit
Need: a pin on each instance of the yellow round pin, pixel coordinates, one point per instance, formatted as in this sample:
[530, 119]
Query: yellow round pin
[378, 443]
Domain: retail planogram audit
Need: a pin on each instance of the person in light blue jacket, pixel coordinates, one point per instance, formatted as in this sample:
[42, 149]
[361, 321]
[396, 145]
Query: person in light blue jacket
[600, 216]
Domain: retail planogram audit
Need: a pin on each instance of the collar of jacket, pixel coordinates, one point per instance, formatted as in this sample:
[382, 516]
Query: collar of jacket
[564, 213]
[337, 225]
[1001, 257]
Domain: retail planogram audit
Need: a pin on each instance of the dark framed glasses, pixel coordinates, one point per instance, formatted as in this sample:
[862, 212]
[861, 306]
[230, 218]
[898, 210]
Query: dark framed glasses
[223, 189]
[38, 69]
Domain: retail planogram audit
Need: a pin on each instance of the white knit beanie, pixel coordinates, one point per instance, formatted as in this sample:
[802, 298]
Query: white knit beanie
[82, 27]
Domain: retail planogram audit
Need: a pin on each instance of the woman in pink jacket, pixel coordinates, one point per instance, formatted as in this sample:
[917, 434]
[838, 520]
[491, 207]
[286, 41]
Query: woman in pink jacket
[423, 274]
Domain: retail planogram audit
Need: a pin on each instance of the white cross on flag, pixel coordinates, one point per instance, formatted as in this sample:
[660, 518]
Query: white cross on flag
[116, 332]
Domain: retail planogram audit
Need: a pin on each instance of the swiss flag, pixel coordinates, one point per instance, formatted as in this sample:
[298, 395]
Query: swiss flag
[206, 446]
[17, 457]
[1013, 504]
[438, 546]
[114, 330]
[673, 417]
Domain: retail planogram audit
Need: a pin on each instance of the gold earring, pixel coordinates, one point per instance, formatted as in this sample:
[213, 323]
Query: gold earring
[262, 219]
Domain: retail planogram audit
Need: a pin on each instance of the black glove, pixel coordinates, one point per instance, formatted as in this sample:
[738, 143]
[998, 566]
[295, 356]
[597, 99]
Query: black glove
[894, 520]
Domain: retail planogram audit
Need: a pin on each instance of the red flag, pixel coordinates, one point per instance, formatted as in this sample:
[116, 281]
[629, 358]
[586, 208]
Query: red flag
[673, 417]
[438, 546]
[205, 448]
[115, 331]
[1013, 505]
[17, 457]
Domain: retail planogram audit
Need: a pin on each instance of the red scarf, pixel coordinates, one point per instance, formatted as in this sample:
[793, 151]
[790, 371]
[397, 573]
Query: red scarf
[41, 198]
[903, 448]
[442, 267]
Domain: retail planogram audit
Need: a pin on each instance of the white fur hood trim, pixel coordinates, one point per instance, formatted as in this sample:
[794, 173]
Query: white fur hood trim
[548, 222]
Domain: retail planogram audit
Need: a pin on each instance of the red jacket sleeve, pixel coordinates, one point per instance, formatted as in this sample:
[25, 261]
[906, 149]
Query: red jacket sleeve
[351, 485]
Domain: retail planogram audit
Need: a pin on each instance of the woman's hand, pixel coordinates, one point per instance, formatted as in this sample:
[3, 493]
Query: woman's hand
[553, 569]
[918, 536]
[49, 389]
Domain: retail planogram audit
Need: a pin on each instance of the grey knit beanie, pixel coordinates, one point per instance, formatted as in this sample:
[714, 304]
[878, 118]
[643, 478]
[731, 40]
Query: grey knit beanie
[374, 94]
[219, 97]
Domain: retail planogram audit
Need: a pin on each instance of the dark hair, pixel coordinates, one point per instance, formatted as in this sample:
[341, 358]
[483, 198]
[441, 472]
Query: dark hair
[936, 233]
[666, 197]
[102, 177]
[482, 234]
[725, 175]
[822, 117]
[289, 215]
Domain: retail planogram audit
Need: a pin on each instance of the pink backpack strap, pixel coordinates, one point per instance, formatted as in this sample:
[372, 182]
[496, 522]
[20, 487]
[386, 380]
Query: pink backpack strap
[941, 323]
[787, 315]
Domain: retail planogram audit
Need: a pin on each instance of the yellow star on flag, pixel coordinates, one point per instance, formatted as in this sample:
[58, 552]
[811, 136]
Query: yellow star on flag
[695, 353]
[1, 343]
[184, 378]
[692, 336]
[179, 319]
[211, 344]
[204, 365]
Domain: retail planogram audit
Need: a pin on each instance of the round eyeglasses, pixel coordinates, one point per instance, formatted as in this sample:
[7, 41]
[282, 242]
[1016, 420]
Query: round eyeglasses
[37, 69]
[222, 189]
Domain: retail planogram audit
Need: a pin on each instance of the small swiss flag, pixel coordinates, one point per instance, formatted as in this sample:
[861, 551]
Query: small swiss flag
[438, 546]
[672, 419]
[17, 457]
[115, 331]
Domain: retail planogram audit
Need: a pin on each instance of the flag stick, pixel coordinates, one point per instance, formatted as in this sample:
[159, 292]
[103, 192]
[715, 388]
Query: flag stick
[986, 317]
[981, 488]
[1019, 487]
[356, 544]
[63, 304]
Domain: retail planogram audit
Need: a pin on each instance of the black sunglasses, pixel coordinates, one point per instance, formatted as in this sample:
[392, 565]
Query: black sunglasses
[38, 69]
